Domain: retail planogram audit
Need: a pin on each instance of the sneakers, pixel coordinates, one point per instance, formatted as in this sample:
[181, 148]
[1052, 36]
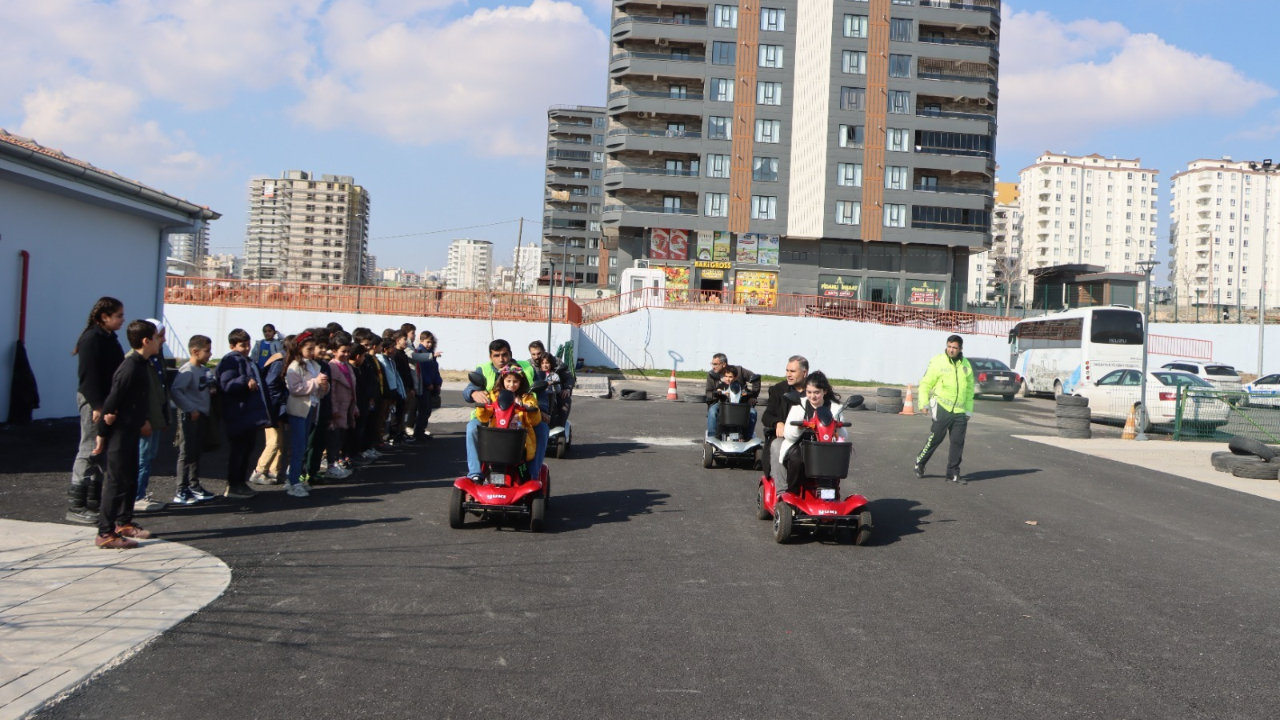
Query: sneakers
[147, 505]
[336, 473]
[82, 516]
[958, 480]
[919, 470]
[133, 532]
[112, 541]
[297, 490]
[184, 497]
[239, 491]
[305, 483]
[261, 478]
[476, 478]
[200, 494]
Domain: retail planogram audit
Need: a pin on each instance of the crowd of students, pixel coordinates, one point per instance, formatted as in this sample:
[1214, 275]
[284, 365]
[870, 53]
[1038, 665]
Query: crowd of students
[327, 401]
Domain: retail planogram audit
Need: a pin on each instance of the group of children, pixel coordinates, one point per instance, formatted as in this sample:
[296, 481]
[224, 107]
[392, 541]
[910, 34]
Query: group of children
[323, 397]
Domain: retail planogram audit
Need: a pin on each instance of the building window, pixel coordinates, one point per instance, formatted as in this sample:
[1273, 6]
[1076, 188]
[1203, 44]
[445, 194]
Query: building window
[764, 208]
[900, 102]
[716, 205]
[853, 98]
[613, 279]
[724, 53]
[671, 204]
[717, 166]
[771, 56]
[764, 169]
[854, 62]
[900, 29]
[613, 262]
[848, 212]
[597, 157]
[768, 131]
[855, 26]
[851, 136]
[769, 93]
[897, 178]
[726, 16]
[721, 90]
[773, 19]
[849, 174]
[895, 216]
[678, 92]
[900, 66]
[719, 128]
[898, 140]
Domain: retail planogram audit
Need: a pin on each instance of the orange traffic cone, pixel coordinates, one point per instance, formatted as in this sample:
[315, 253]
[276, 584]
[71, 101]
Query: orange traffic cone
[671, 388]
[908, 405]
[1130, 426]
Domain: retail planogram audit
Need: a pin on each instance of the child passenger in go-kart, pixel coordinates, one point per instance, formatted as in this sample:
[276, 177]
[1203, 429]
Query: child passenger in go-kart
[727, 379]
[511, 380]
[553, 406]
[789, 463]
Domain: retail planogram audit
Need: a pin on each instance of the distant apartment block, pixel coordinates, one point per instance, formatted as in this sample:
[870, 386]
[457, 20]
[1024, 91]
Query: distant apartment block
[573, 196]
[1220, 213]
[469, 266]
[307, 229]
[224, 266]
[990, 272]
[187, 252]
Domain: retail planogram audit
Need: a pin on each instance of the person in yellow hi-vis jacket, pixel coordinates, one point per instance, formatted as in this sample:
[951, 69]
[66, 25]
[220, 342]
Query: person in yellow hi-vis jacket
[946, 394]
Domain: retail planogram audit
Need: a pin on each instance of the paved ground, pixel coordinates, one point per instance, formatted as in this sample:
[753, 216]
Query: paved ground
[655, 592]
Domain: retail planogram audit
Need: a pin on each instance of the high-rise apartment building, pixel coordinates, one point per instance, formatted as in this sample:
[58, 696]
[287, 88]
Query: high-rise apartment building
[574, 196]
[306, 229]
[526, 263]
[470, 262]
[1088, 210]
[187, 252]
[991, 272]
[1221, 211]
[821, 147]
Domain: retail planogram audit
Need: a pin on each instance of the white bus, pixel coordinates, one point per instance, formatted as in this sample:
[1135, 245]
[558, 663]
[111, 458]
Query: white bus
[1055, 353]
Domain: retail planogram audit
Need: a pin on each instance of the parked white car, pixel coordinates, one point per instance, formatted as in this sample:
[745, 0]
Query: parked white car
[1219, 375]
[1265, 391]
[1114, 394]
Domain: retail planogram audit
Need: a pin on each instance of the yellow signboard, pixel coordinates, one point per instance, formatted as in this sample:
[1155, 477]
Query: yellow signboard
[711, 264]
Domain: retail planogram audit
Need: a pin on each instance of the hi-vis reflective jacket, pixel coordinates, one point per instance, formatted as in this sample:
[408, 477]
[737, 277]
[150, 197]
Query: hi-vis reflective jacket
[951, 381]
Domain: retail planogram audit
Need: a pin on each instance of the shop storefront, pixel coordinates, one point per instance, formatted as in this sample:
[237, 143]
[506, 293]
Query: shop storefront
[716, 266]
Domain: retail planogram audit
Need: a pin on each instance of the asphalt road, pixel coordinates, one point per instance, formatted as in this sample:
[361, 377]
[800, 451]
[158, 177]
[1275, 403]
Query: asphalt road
[655, 592]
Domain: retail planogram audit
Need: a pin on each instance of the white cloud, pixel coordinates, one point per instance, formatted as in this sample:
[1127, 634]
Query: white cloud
[486, 78]
[1064, 83]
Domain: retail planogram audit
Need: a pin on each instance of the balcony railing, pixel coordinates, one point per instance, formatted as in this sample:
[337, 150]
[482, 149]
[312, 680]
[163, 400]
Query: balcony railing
[656, 133]
[629, 55]
[548, 223]
[924, 75]
[958, 41]
[928, 150]
[651, 171]
[650, 20]
[577, 155]
[657, 209]
[991, 6]
[653, 94]
[952, 190]
[954, 227]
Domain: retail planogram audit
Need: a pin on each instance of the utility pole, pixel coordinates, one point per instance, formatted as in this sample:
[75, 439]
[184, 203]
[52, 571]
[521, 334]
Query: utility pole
[1267, 168]
[516, 270]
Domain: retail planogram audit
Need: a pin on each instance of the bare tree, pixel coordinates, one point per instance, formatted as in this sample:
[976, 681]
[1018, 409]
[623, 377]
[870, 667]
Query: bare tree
[1007, 271]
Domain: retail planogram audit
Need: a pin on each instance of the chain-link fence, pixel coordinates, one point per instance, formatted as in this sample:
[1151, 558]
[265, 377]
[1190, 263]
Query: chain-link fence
[1211, 414]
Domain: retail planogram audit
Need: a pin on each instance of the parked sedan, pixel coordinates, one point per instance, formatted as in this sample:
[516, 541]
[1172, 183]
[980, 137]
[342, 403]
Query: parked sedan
[1115, 394]
[1265, 391]
[993, 377]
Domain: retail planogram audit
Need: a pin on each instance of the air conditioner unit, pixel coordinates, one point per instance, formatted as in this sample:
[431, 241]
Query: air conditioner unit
[984, 31]
[984, 102]
[663, 42]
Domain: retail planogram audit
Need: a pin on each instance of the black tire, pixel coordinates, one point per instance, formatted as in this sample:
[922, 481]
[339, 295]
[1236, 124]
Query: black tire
[562, 449]
[1073, 423]
[783, 514]
[889, 409]
[1008, 398]
[537, 514]
[456, 516]
[762, 513]
[708, 455]
[1026, 389]
[870, 406]
[633, 395]
[1057, 390]
[759, 459]
[1248, 446]
[1240, 461]
[1257, 471]
[1221, 461]
[1073, 401]
[888, 392]
[1069, 411]
[865, 527]
[1085, 434]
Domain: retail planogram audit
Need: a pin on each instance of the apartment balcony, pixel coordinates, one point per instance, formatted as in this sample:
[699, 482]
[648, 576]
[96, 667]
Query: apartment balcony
[924, 111]
[568, 181]
[655, 101]
[568, 158]
[653, 64]
[653, 27]
[952, 190]
[654, 179]
[959, 48]
[621, 139]
[956, 71]
[962, 12]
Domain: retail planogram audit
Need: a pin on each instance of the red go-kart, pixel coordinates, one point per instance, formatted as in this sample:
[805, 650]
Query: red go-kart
[506, 491]
[818, 505]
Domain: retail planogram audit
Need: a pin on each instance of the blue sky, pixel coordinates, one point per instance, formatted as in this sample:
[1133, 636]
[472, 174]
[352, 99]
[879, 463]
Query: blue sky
[438, 107]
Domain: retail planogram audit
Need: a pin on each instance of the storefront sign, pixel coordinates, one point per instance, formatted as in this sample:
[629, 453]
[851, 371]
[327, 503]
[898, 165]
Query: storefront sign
[718, 265]
[747, 248]
[757, 288]
[720, 247]
[659, 243]
[924, 293]
[767, 249]
[679, 244]
[711, 274]
[677, 282]
[839, 286]
[705, 243]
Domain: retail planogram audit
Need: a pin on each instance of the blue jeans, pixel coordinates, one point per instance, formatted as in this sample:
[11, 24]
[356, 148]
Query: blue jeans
[299, 431]
[147, 449]
[540, 431]
[713, 418]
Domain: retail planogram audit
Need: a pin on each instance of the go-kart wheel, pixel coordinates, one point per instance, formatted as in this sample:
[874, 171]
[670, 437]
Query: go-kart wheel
[708, 455]
[782, 516]
[562, 449]
[537, 514]
[456, 516]
[762, 513]
[864, 528]
[759, 463]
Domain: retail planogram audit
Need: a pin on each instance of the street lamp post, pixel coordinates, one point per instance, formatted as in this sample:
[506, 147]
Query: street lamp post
[1267, 169]
[1147, 266]
[551, 288]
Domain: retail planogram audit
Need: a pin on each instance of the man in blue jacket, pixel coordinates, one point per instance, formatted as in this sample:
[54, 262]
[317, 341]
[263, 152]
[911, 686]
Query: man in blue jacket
[244, 410]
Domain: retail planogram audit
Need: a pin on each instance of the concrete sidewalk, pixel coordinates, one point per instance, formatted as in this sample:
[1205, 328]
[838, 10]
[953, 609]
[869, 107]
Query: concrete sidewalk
[1184, 459]
[69, 611]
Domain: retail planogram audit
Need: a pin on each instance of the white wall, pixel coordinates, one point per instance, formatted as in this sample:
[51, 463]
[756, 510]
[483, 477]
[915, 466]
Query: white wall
[463, 342]
[1235, 345]
[79, 252]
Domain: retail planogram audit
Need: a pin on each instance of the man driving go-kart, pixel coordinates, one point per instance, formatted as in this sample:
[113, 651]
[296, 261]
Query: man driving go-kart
[751, 390]
[499, 357]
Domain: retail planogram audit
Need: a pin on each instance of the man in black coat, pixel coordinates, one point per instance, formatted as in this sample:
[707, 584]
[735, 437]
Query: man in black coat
[778, 406]
[750, 393]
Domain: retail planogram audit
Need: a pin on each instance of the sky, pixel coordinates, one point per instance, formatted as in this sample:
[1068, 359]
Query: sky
[439, 108]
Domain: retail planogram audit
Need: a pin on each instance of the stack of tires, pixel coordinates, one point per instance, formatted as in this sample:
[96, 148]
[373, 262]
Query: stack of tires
[889, 400]
[1248, 459]
[1073, 417]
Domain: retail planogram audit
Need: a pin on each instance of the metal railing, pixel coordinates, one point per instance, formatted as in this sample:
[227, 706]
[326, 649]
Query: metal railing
[659, 209]
[1211, 414]
[652, 20]
[651, 171]
[956, 115]
[631, 54]
[957, 41]
[927, 75]
[617, 94]
[678, 134]
[953, 190]
[927, 150]
[991, 6]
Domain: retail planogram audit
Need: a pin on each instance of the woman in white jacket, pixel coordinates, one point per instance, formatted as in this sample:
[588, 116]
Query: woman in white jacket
[789, 465]
[306, 386]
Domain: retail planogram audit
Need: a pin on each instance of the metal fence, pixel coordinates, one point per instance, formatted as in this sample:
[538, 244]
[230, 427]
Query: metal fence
[1216, 415]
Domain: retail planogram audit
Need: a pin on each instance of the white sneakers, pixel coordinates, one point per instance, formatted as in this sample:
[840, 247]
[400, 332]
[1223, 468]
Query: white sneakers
[297, 490]
[337, 473]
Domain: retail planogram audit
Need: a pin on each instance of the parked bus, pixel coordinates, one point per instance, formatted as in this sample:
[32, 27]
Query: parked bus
[1055, 353]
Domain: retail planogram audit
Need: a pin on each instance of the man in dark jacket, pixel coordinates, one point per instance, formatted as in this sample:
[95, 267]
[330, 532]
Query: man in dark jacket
[244, 411]
[98, 353]
[778, 406]
[124, 421]
[750, 393]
